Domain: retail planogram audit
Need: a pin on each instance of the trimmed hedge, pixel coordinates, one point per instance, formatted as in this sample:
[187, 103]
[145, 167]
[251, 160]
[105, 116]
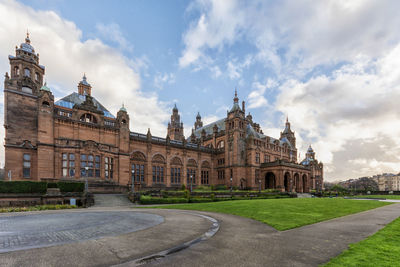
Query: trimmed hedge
[71, 186]
[172, 200]
[37, 208]
[156, 200]
[23, 187]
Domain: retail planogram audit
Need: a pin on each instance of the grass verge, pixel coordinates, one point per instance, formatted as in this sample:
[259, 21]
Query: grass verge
[378, 196]
[380, 249]
[284, 214]
[36, 208]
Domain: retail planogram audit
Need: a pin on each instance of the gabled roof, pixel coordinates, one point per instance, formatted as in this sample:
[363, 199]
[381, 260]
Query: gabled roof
[70, 100]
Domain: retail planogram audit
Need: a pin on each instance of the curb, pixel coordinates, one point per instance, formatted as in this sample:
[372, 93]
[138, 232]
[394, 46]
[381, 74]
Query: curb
[162, 254]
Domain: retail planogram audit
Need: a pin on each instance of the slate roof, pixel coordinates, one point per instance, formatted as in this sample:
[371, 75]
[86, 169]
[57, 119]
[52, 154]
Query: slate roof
[209, 128]
[250, 131]
[70, 100]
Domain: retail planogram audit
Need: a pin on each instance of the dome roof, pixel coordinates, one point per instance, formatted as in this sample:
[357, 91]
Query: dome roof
[45, 88]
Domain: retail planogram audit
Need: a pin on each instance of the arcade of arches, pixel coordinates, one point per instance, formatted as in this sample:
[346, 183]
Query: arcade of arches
[286, 180]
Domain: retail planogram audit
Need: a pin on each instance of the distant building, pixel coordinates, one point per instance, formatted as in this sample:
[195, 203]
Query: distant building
[389, 182]
[76, 137]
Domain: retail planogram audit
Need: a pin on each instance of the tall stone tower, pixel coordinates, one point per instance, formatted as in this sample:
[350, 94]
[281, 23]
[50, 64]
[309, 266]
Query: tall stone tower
[235, 127]
[175, 127]
[198, 124]
[26, 109]
[288, 134]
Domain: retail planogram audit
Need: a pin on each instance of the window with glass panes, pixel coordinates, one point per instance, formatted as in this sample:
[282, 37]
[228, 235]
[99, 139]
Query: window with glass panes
[26, 167]
[175, 175]
[92, 164]
[204, 177]
[68, 165]
[257, 157]
[158, 174]
[191, 176]
[137, 172]
[109, 167]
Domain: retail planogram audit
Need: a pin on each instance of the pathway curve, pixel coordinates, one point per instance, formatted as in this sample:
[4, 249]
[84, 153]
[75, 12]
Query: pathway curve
[245, 242]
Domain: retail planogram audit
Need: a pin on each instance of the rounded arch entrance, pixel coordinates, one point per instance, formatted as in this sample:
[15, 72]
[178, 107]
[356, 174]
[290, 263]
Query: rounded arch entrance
[286, 182]
[297, 182]
[270, 180]
[304, 183]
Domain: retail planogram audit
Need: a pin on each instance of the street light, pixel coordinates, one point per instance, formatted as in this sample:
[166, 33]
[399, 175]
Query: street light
[191, 183]
[133, 181]
[86, 179]
[231, 184]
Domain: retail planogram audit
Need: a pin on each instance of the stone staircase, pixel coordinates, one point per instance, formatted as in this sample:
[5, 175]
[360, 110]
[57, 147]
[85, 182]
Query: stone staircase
[111, 200]
[304, 195]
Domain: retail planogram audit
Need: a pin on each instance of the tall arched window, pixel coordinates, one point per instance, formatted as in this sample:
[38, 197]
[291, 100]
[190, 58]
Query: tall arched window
[138, 161]
[221, 144]
[191, 171]
[88, 118]
[158, 164]
[205, 173]
[16, 71]
[176, 170]
[27, 72]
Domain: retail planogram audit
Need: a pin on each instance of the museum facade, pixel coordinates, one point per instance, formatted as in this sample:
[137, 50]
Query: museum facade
[77, 138]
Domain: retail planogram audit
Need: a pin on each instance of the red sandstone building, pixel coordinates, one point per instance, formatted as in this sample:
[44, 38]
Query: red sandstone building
[76, 137]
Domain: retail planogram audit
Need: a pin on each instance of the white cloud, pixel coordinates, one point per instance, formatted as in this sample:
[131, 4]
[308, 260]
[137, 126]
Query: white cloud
[67, 57]
[112, 32]
[256, 97]
[162, 78]
[337, 64]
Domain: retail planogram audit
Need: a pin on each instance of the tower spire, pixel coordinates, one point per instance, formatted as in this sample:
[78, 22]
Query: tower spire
[236, 99]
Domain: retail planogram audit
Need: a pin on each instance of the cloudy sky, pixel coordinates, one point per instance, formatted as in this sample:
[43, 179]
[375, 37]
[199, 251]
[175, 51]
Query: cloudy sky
[332, 66]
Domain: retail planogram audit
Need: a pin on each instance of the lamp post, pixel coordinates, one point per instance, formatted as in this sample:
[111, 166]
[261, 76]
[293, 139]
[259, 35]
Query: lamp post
[191, 183]
[133, 181]
[231, 184]
[86, 179]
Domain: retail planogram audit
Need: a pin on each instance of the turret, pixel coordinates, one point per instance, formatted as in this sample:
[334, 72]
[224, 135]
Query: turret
[175, 127]
[288, 134]
[198, 124]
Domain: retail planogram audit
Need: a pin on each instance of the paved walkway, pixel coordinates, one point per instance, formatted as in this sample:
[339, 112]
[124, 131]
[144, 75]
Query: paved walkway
[239, 241]
[244, 242]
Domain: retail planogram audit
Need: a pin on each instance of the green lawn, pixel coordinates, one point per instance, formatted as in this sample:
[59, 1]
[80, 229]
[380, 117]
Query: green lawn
[284, 214]
[379, 196]
[380, 249]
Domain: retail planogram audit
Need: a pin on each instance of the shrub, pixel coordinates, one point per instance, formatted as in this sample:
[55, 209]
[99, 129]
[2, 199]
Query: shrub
[23, 187]
[52, 185]
[220, 187]
[183, 187]
[164, 193]
[71, 186]
[187, 194]
[200, 200]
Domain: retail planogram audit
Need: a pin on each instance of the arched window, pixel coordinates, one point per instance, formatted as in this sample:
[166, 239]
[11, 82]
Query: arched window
[88, 118]
[158, 163]
[191, 171]
[221, 144]
[27, 72]
[205, 173]
[176, 170]
[138, 161]
[16, 71]
[46, 104]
